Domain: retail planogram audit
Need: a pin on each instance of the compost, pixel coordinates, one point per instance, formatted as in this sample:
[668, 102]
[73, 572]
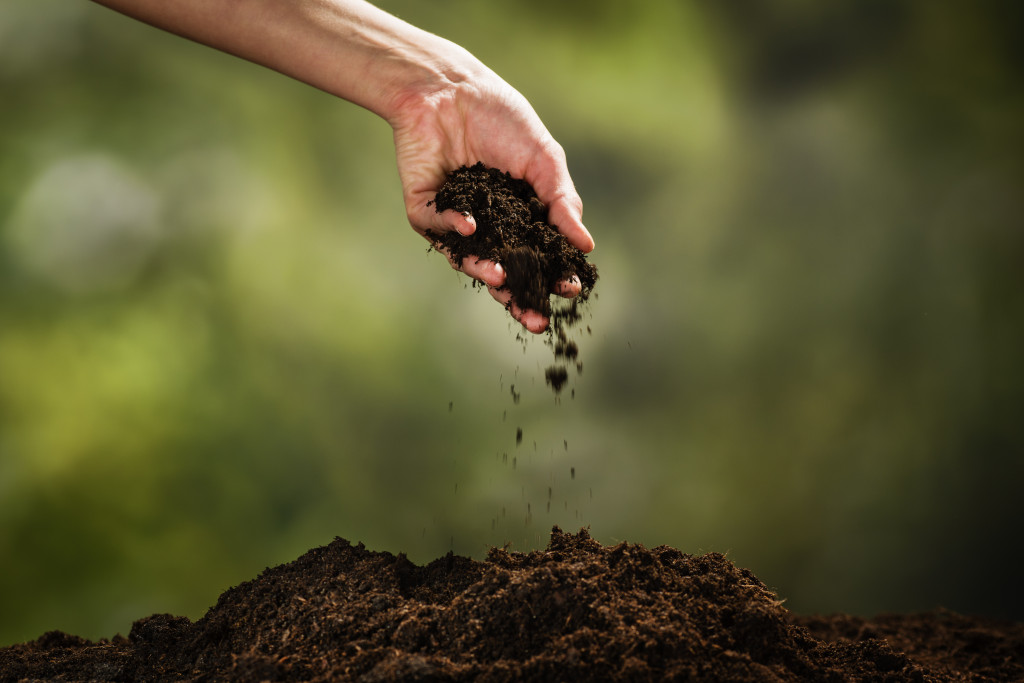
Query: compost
[574, 611]
[512, 229]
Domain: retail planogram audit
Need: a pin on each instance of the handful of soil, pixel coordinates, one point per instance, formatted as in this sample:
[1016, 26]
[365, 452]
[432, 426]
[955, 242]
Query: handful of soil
[512, 229]
[575, 611]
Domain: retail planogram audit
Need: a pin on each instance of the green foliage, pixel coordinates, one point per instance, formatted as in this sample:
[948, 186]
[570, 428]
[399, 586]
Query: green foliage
[220, 344]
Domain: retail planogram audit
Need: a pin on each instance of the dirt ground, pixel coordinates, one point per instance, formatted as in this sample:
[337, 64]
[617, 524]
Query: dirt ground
[574, 611]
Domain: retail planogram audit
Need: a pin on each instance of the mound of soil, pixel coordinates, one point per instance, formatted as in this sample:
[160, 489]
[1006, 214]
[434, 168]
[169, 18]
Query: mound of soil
[575, 611]
[512, 229]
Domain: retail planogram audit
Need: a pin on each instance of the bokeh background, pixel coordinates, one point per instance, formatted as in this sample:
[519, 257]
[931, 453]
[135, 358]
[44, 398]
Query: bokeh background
[221, 344]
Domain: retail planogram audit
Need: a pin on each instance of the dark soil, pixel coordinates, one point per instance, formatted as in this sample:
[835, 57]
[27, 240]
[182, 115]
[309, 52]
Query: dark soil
[512, 229]
[576, 611]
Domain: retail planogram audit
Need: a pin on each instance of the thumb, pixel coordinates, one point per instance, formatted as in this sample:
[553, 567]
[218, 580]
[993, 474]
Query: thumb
[566, 212]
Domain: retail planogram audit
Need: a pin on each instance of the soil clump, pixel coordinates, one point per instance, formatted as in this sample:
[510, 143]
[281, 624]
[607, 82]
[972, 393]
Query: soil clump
[512, 229]
[574, 611]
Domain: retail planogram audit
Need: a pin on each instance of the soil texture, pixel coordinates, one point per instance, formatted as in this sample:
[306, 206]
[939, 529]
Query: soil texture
[512, 229]
[575, 611]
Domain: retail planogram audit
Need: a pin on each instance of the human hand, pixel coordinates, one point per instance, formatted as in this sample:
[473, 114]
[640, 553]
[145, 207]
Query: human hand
[445, 107]
[483, 119]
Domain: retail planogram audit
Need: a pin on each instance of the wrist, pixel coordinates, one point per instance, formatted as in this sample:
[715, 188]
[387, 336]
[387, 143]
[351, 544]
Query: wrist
[422, 75]
[378, 61]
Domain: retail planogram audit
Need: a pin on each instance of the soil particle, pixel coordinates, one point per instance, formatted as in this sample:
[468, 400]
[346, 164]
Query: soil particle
[512, 229]
[574, 611]
[556, 376]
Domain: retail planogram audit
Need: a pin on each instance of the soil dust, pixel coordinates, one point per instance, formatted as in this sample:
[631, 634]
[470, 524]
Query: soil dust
[512, 229]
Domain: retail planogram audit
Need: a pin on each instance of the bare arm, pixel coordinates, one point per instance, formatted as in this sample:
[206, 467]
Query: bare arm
[348, 48]
[446, 108]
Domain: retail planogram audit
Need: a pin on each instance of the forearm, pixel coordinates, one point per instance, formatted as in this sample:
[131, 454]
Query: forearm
[345, 47]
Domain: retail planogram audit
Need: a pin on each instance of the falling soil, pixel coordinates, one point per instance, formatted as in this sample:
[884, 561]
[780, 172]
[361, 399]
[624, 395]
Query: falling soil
[512, 229]
[575, 611]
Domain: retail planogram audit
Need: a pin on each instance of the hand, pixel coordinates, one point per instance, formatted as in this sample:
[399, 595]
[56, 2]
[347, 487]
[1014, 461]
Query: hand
[483, 119]
[446, 108]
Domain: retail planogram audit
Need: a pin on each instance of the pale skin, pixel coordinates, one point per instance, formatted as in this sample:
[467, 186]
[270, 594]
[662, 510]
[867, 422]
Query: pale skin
[445, 107]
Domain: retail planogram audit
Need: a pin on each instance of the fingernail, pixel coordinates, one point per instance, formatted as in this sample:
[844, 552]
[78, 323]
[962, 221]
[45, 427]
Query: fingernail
[498, 275]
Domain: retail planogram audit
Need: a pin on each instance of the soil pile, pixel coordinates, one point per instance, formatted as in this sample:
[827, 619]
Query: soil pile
[575, 611]
[512, 229]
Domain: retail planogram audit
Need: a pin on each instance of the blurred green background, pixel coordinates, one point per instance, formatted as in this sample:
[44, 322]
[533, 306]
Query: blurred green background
[221, 344]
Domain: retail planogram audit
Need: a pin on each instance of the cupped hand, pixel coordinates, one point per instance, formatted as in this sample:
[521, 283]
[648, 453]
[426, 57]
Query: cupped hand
[483, 119]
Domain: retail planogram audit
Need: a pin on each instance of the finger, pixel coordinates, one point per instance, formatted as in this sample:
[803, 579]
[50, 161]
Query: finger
[532, 320]
[550, 178]
[424, 217]
[566, 212]
[462, 223]
[569, 288]
[488, 272]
